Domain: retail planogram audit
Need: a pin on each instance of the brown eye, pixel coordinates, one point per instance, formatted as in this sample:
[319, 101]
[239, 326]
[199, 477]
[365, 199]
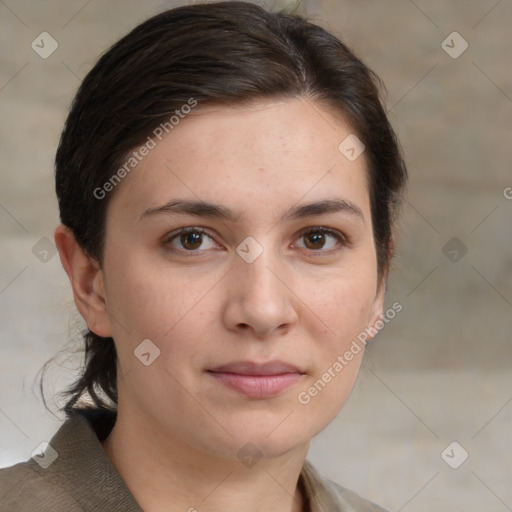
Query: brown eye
[316, 239]
[189, 240]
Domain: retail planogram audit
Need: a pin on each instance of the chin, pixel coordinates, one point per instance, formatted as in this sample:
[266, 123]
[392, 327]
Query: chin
[257, 439]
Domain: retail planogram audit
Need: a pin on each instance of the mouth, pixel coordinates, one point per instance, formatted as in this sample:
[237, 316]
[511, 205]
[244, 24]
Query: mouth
[257, 381]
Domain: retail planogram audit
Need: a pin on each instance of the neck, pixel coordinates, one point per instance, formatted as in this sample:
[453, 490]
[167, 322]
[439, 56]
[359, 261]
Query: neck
[165, 474]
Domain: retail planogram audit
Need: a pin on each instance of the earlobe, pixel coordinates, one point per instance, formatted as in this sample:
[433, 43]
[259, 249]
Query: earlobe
[376, 313]
[378, 304]
[86, 278]
[391, 250]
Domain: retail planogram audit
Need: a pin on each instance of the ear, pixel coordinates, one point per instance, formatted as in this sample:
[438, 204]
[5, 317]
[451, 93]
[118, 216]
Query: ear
[378, 304]
[86, 278]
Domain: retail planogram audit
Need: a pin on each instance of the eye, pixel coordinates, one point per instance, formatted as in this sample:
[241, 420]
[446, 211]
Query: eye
[189, 239]
[315, 239]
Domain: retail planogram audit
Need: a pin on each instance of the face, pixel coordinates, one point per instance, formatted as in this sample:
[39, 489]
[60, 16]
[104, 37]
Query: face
[247, 310]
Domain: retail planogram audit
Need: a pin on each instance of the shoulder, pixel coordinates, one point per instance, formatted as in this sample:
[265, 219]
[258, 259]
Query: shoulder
[352, 500]
[71, 474]
[24, 488]
[326, 495]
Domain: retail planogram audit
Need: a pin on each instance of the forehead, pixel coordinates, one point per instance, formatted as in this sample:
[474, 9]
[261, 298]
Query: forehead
[257, 156]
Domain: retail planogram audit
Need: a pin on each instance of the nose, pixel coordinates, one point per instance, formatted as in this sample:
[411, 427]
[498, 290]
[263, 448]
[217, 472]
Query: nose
[260, 297]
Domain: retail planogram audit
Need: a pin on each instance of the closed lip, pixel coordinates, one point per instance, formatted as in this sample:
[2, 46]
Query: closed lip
[257, 381]
[253, 368]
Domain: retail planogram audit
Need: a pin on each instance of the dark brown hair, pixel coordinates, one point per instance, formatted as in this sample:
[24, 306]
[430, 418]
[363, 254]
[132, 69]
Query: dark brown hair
[216, 53]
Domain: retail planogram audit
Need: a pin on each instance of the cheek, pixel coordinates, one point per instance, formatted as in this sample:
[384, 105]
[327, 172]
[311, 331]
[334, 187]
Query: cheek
[163, 305]
[344, 309]
[343, 306]
[145, 296]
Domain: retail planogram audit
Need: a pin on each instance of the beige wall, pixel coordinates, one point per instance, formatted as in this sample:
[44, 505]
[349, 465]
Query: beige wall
[441, 370]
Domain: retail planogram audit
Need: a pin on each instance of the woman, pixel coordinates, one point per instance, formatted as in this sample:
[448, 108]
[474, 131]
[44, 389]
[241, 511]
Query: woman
[227, 182]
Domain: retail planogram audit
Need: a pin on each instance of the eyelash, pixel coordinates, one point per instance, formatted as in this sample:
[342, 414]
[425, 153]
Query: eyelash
[342, 239]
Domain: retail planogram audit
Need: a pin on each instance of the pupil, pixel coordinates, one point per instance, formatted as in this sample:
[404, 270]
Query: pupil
[193, 239]
[319, 239]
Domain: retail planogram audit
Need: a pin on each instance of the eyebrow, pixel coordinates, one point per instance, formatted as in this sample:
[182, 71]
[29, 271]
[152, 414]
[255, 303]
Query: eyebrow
[212, 210]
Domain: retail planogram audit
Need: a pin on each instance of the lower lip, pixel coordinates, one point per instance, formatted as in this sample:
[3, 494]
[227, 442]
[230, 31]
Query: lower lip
[257, 386]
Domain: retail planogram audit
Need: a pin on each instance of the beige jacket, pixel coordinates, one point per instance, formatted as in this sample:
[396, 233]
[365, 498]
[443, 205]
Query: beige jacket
[82, 478]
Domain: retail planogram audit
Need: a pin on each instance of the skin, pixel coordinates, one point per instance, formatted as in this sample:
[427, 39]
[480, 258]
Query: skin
[302, 301]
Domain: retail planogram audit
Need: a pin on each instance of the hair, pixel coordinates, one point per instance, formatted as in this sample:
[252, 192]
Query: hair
[216, 54]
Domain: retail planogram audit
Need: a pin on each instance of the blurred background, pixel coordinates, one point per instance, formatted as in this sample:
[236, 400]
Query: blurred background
[428, 425]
